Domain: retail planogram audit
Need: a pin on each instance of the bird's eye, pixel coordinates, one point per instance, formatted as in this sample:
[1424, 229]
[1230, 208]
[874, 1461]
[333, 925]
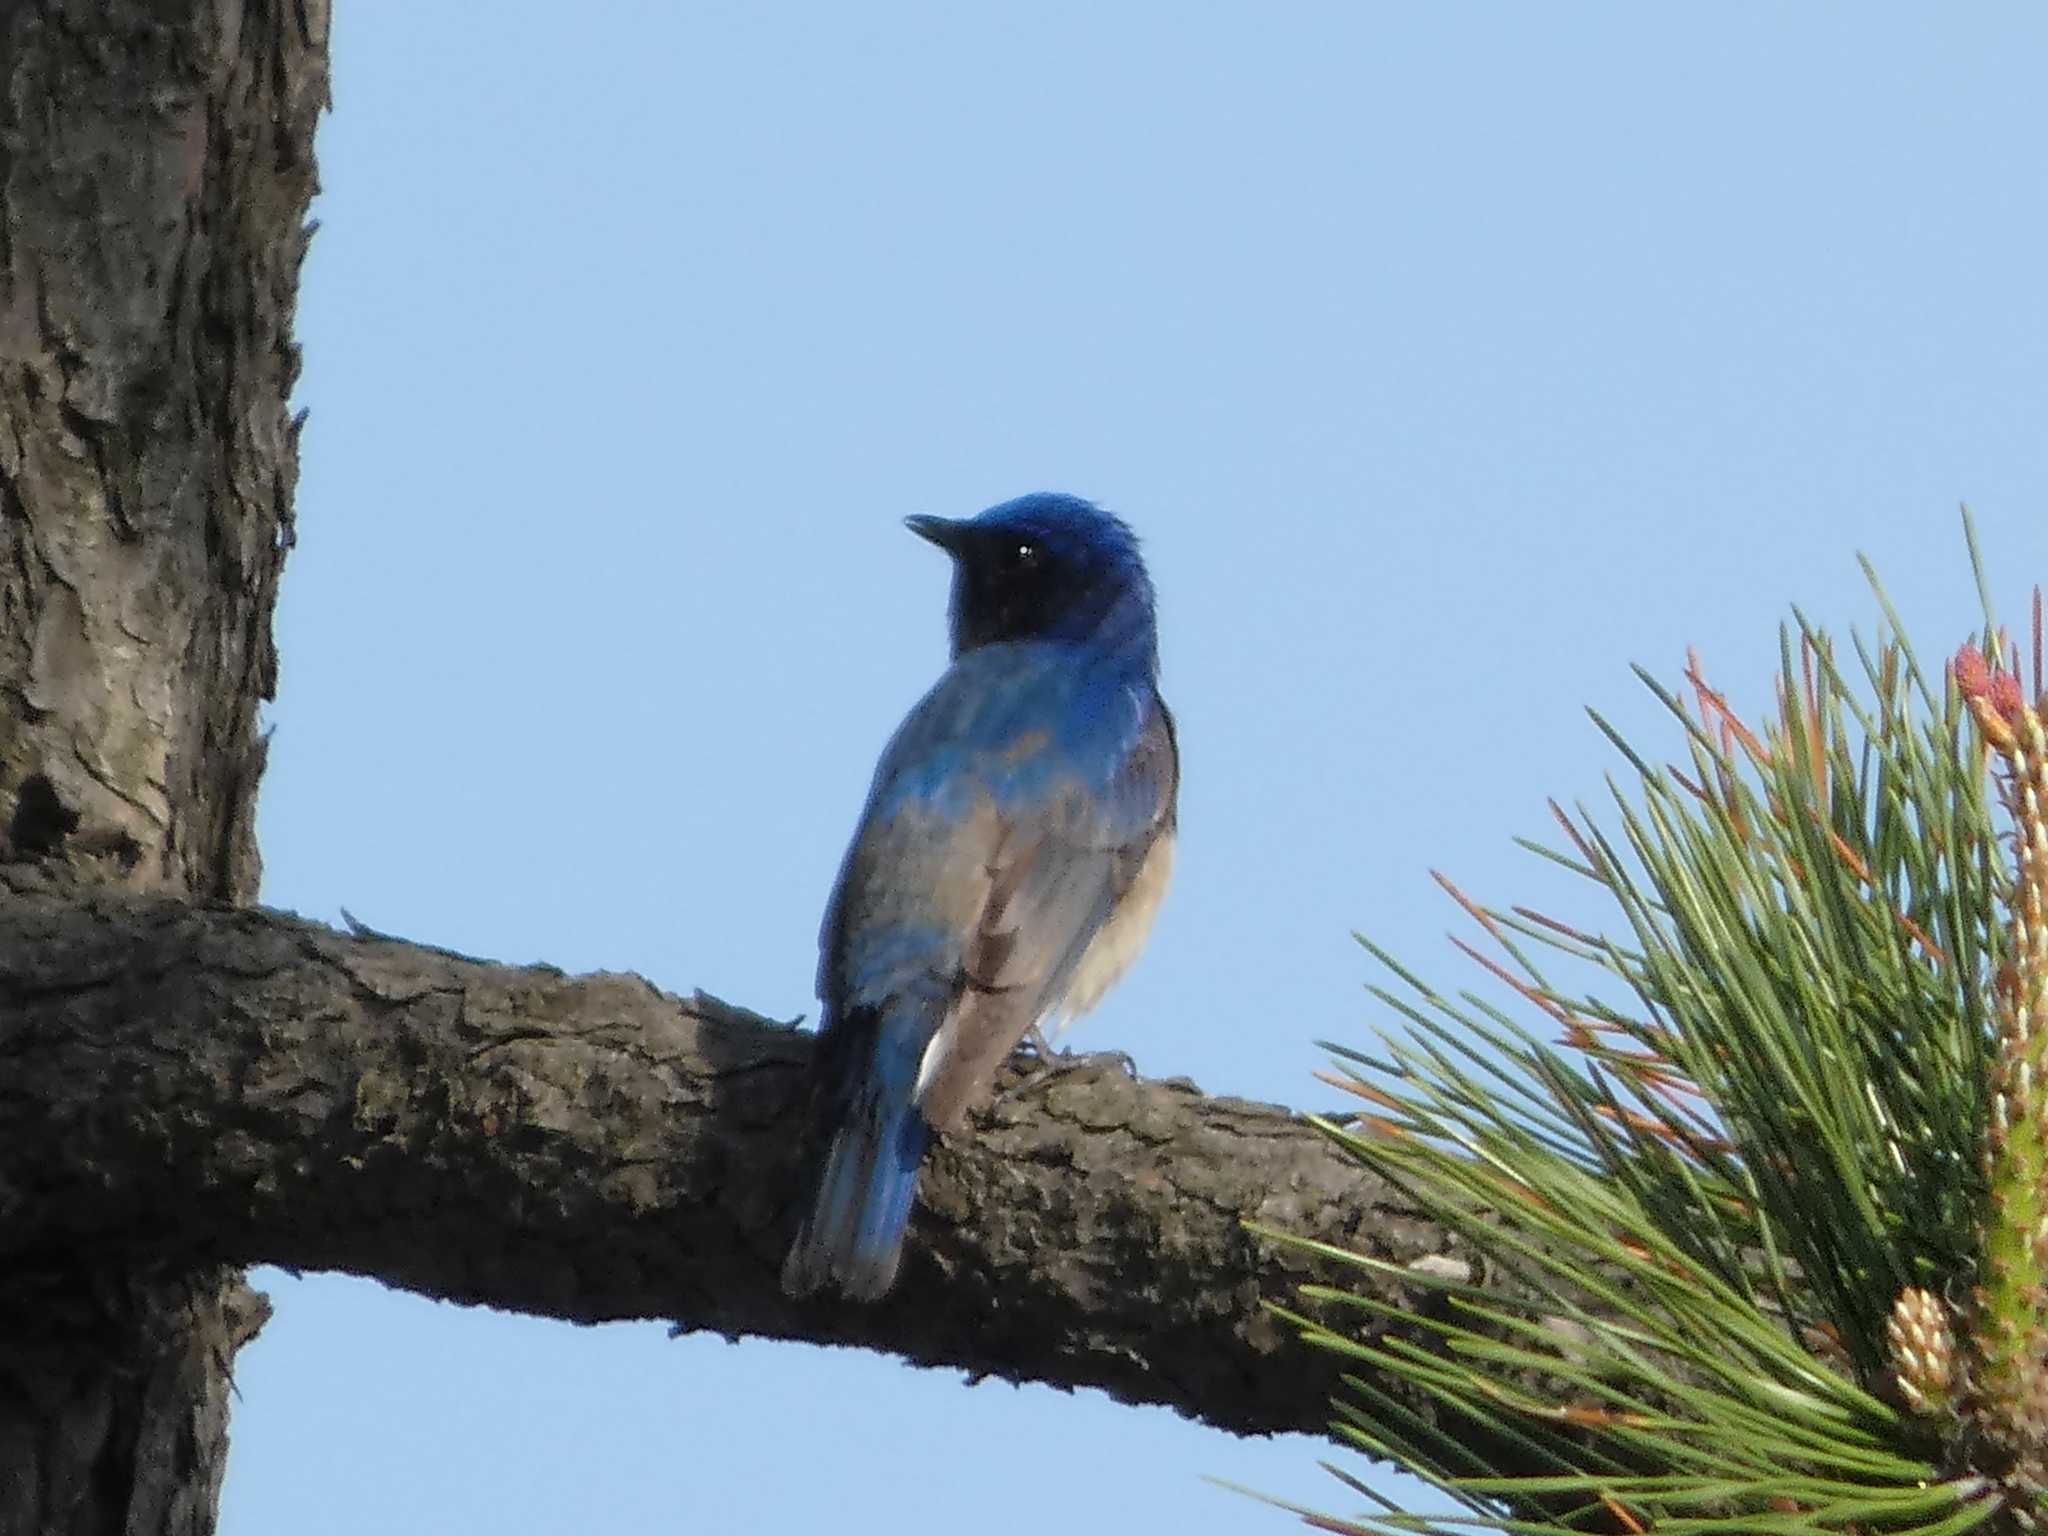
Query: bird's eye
[1021, 556]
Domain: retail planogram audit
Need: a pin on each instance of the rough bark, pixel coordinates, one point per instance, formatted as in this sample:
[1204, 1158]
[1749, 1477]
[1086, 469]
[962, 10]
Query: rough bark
[191, 1087]
[155, 167]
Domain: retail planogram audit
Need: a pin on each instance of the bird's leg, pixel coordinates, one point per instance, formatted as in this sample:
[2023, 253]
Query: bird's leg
[1057, 1063]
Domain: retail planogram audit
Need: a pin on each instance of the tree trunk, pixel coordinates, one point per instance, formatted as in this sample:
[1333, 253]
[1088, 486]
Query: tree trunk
[155, 168]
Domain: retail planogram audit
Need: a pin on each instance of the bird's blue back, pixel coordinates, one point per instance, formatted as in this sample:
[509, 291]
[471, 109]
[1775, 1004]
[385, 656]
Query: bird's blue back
[1014, 843]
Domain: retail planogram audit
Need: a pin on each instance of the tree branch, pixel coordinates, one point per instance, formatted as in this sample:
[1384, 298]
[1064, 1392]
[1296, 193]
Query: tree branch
[185, 1085]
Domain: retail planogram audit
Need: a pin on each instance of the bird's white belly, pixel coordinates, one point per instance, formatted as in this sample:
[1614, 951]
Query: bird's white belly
[1105, 960]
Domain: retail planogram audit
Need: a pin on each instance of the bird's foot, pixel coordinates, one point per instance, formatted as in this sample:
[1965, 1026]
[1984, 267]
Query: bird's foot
[1056, 1063]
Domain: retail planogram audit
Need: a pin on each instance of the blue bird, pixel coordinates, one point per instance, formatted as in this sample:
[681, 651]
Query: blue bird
[1006, 869]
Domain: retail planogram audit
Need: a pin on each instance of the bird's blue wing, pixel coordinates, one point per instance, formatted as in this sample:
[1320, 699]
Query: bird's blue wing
[1018, 820]
[1017, 806]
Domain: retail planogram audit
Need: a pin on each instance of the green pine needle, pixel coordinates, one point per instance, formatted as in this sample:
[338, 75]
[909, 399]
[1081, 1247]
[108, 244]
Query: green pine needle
[1697, 1208]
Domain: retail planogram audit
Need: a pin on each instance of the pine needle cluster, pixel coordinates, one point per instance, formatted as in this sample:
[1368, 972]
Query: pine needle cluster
[1759, 1201]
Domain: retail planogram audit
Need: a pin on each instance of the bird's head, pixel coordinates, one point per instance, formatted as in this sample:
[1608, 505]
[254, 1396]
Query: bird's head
[1045, 567]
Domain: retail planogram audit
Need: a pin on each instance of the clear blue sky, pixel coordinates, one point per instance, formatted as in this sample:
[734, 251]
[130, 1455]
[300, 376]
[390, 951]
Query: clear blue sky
[1449, 357]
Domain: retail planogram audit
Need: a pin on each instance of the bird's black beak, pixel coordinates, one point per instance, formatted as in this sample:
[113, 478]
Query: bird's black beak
[945, 532]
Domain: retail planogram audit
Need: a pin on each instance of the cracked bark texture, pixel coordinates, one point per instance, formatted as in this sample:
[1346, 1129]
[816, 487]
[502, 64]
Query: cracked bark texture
[198, 1087]
[155, 168]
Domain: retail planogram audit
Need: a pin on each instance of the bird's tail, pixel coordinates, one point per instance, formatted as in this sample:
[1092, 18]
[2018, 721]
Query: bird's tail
[853, 1237]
